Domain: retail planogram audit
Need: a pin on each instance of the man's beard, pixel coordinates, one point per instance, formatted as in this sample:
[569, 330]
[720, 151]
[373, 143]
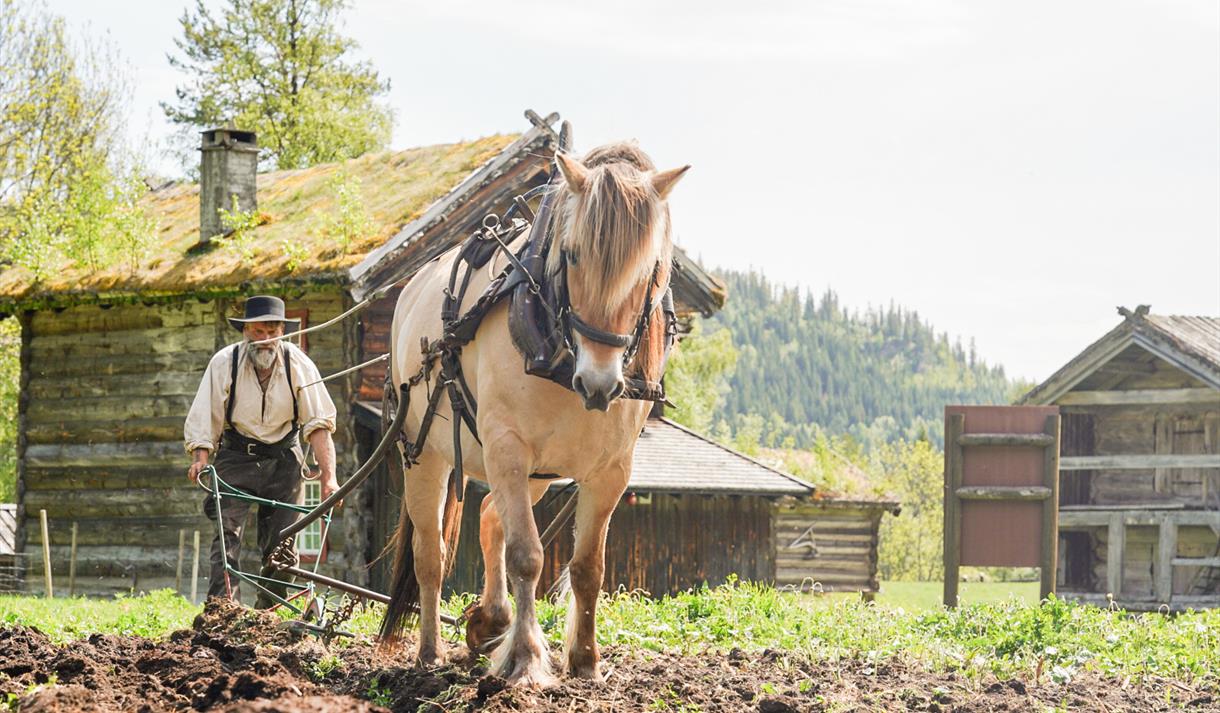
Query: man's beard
[263, 357]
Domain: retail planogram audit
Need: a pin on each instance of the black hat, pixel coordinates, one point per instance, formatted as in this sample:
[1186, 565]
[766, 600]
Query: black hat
[264, 308]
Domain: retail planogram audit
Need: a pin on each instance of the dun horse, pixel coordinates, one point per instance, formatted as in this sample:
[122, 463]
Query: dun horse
[611, 233]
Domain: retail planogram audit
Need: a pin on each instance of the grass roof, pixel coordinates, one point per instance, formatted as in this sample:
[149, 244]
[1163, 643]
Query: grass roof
[295, 208]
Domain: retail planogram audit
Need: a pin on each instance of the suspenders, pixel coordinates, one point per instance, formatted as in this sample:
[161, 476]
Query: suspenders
[233, 388]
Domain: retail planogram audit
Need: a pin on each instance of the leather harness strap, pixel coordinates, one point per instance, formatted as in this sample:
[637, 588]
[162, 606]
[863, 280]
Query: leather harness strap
[244, 441]
[541, 321]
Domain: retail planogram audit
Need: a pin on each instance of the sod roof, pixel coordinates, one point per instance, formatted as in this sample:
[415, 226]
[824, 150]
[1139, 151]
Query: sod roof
[293, 209]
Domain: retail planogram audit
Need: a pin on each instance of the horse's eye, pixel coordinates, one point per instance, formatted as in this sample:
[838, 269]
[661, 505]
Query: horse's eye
[572, 259]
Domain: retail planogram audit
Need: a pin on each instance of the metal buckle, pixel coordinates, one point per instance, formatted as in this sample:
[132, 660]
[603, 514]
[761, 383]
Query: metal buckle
[250, 450]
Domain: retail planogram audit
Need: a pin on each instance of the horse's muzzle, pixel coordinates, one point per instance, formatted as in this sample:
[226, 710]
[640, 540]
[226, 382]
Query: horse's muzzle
[597, 398]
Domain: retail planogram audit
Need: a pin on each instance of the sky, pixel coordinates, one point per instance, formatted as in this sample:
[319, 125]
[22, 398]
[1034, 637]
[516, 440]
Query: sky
[1010, 171]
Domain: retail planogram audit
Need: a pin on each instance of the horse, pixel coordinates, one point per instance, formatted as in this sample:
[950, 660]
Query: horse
[611, 235]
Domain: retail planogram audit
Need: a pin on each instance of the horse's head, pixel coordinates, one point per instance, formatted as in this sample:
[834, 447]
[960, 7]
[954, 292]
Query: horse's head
[613, 239]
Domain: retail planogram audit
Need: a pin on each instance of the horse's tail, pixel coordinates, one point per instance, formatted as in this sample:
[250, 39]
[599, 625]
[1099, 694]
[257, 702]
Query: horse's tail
[404, 588]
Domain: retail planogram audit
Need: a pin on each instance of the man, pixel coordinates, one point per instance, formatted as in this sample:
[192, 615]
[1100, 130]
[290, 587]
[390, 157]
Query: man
[252, 402]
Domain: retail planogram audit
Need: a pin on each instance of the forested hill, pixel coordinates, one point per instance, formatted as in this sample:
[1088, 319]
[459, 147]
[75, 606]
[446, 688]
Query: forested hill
[806, 363]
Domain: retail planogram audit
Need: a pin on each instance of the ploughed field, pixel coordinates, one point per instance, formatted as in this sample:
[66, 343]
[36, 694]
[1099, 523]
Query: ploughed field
[705, 651]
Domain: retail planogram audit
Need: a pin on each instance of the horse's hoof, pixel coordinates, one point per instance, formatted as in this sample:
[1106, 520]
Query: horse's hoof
[429, 658]
[482, 628]
[533, 676]
[591, 673]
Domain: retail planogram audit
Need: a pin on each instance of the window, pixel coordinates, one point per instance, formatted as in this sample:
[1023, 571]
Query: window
[309, 541]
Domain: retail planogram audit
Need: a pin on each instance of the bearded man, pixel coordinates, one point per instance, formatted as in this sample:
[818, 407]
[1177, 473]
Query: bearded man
[254, 400]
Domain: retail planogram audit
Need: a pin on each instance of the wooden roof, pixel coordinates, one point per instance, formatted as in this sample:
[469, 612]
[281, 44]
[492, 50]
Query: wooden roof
[1189, 344]
[674, 459]
[420, 202]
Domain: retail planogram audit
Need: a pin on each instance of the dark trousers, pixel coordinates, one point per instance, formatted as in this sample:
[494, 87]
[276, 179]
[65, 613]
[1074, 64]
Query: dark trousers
[270, 478]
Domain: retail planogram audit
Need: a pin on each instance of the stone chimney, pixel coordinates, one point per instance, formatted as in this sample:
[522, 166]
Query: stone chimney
[228, 167]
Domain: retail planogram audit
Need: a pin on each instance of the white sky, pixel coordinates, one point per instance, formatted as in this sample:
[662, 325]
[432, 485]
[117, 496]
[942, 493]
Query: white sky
[1012, 171]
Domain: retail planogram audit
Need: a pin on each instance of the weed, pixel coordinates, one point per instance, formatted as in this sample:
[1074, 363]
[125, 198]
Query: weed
[325, 666]
[379, 695]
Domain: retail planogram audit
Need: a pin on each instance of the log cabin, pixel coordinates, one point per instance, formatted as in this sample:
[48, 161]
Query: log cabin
[1139, 508]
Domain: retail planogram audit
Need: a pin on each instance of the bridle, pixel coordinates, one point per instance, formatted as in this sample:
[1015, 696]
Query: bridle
[569, 321]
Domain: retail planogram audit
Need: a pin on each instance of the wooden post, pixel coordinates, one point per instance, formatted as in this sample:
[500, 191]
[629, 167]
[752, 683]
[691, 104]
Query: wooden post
[195, 571]
[46, 554]
[954, 426]
[1116, 549]
[72, 564]
[1050, 509]
[181, 557]
[1167, 549]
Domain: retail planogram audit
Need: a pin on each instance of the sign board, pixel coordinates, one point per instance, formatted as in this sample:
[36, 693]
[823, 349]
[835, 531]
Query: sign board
[1001, 490]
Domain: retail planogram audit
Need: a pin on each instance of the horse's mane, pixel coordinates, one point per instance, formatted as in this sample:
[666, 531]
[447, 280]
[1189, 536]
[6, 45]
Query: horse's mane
[610, 226]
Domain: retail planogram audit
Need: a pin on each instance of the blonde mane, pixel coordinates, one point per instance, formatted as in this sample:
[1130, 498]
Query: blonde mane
[617, 227]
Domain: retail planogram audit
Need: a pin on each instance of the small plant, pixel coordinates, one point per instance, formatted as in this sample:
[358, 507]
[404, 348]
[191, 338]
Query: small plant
[325, 666]
[379, 695]
[296, 254]
[349, 221]
[239, 228]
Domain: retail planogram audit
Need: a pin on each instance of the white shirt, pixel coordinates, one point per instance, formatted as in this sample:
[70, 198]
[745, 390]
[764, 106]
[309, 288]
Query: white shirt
[262, 415]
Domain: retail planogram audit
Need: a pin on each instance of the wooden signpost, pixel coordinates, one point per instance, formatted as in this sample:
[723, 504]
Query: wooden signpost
[1001, 490]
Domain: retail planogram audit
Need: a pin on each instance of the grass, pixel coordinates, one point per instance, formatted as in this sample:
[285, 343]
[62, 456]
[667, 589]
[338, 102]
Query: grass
[997, 633]
[150, 615]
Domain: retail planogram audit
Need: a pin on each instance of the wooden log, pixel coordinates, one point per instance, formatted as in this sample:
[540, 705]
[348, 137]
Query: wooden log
[1116, 543]
[110, 454]
[161, 383]
[1207, 396]
[127, 430]
[46, 555]
[104, 477]
[72, 565]
[1039, 440]
[168, 340]
[1167, 549]
[111, 365]
[1120, 462]
[1139, 518]
[195, 571]
[954, 426]
[92, 504]
[93, 318]
[1004, 492]
[108, 407]
[1050, 507]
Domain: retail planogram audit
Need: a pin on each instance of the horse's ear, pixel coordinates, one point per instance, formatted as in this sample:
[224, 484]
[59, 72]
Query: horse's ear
[665, 181]
[574, 172]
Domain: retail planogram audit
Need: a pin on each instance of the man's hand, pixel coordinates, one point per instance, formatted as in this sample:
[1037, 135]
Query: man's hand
[329, 485]
[324, 450]
[201, 462]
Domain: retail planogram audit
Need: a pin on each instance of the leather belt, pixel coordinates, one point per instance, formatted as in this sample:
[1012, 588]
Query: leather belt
[234, 441]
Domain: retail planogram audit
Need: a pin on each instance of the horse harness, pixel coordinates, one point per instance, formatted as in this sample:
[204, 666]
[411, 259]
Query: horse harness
[541, 323]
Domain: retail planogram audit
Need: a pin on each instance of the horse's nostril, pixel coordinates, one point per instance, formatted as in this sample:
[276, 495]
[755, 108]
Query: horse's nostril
[618, 389]
[578, 385]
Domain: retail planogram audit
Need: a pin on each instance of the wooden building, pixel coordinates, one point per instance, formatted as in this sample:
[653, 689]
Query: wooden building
[1139, 513]
[111, 359]
[695, 512]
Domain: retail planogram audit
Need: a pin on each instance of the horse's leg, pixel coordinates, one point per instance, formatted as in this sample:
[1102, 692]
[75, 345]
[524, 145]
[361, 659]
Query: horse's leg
[522, 656]
[598, 497]
[491, 616]
[425, 487]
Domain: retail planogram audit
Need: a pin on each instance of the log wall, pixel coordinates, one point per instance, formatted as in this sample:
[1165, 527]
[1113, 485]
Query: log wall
[106, 391]
[662, 546]
[828, 543]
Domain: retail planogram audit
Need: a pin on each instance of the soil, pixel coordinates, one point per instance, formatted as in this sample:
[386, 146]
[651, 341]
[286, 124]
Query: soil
[234, 659]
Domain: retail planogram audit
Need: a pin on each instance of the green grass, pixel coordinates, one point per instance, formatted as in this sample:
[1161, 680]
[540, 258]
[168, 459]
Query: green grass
[1000, 633]
[150, 615]
[924, 596]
